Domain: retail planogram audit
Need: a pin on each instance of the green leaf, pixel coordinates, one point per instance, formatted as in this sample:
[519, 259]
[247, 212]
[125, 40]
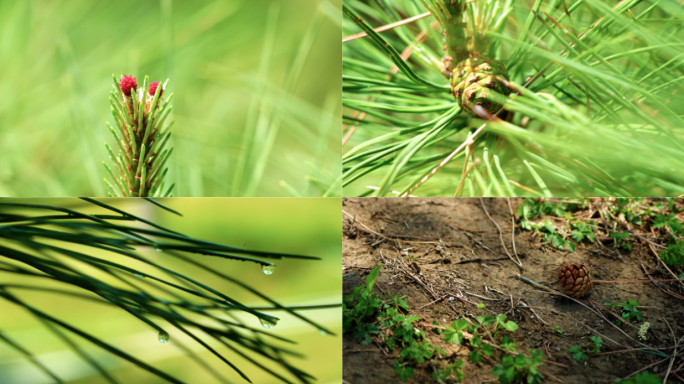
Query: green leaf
[400, 302]
[474, 356]
[571, 246]
[508, 325]
[487, 349]
[619, 235]
[577, 236]
[460, 324]
[372, 276]
[453, 336]
[577, 353]
[405, 373]
[508, 344]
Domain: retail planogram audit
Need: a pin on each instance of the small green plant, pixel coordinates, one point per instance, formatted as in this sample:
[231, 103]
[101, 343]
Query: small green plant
[405, 335]
[629, 311]
[564, 238]
[598, 344]
[455, 369]
[582, 230]
[139, 116]
[619, 240]
[557, 329]
[362, 305]
[592, 347]
[519, 368]
[486, 324]
[533, 208]
[556, 237]
[674, 254]
[630, 209]
[641, 378]
[511, 368]
[365, 314]
[576, 352]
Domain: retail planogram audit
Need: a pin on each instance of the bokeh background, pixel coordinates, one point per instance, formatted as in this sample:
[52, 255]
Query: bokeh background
[303, 226]
[256, 83]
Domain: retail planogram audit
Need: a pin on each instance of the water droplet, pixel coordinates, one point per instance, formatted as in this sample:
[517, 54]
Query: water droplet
[268, 323]
[158, 249]
[163, 337]
[322, 332]
[139, 276]
[267, 269]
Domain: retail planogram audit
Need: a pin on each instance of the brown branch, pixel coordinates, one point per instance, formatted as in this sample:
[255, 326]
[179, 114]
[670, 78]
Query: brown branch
[519, 264]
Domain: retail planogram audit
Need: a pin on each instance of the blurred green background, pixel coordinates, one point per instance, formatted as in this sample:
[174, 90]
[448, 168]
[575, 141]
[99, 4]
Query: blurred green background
[257, 92]
[304, 226]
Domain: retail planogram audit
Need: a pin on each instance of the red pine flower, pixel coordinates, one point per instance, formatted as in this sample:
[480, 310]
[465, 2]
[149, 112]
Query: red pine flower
[127, 84]
[153, 89]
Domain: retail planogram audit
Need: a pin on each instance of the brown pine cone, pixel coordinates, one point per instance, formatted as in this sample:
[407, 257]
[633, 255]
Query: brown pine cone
[574, 279]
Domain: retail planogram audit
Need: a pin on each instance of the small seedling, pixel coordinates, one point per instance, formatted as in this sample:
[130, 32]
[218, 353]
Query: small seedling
[508, 344]
[519, 368]
[598, 343]
[455, 369]
[557, 329]
[594, 347]
[641, 378]
[630, 209]
[560, 237]
[674, 254]
[629, 311]
[576, 352]
[486, 324]
[405, 372]
[582, 230]
[619, 240]
[362, 305]
[365, 314]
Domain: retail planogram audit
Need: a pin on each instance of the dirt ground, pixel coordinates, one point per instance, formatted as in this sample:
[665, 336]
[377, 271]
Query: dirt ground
[459, 255]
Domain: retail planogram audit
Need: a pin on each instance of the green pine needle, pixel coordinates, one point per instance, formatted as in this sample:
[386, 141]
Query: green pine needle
[58, 244]
[139, 126]
[595, 108]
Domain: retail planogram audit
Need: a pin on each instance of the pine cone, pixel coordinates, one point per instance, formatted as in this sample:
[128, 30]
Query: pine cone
[474, 79]
[575, 280]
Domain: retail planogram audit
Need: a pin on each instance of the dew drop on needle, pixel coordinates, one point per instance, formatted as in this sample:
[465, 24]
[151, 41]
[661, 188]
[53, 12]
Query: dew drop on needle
[268, 269]
[268, 323]
[163, 337]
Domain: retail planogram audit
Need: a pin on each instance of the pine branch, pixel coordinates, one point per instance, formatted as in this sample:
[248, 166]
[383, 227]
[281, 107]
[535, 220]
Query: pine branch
[53, 243]
[139, 115]
[591, 98]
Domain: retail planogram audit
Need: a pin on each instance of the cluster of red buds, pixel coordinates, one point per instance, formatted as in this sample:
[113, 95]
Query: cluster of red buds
[141, 137]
